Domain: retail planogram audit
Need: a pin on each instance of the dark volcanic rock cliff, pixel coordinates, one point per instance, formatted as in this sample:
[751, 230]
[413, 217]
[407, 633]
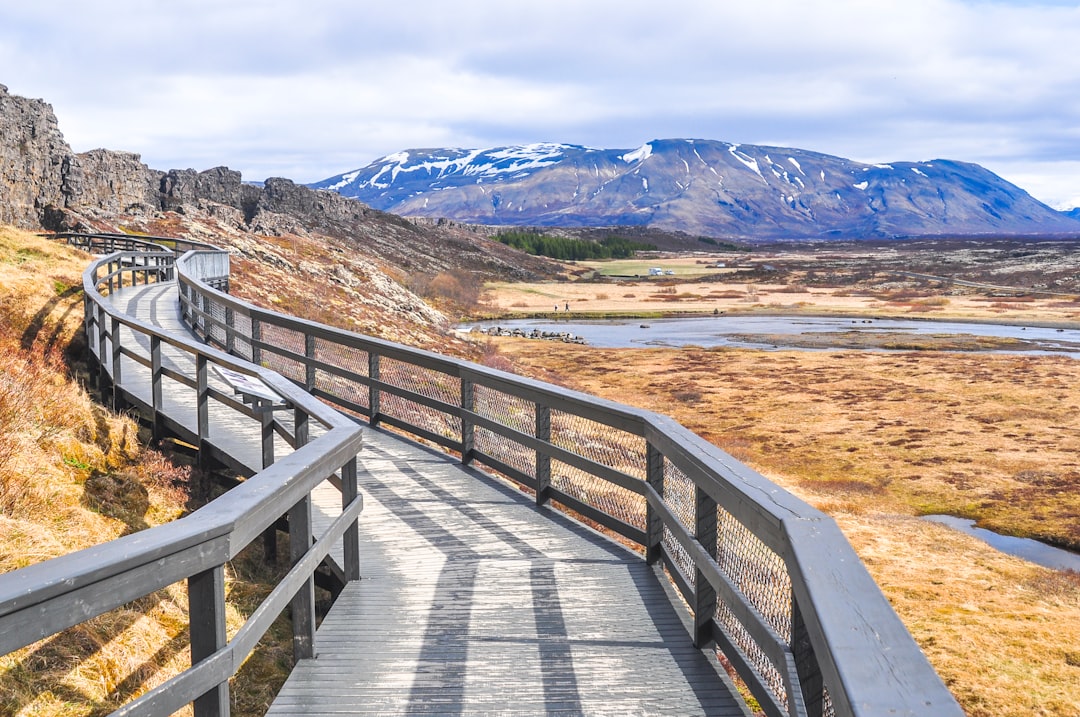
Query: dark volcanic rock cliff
[34, 160]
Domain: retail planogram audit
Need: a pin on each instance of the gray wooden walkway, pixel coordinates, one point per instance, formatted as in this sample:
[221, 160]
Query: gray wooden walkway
[473, 601]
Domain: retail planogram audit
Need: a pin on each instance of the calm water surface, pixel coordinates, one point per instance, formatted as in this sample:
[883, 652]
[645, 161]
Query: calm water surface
[724, 330]
[1032, 550]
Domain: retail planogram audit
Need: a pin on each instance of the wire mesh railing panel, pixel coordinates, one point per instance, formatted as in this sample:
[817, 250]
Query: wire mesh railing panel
[758, 572]
[503, 449]
[614, 500]
[420, 416]
[216, 325]
[280, 337]
[770, 675]
[348, 390]
[599, 443]
[351, 359]
[679, 496]
[424, 381]
[241, 343]
[511, 411]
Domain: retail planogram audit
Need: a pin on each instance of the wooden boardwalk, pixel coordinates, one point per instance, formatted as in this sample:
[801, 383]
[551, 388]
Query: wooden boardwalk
[474, 601]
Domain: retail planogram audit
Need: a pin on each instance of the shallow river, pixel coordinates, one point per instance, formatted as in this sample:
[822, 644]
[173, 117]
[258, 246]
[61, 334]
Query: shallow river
[730, 330]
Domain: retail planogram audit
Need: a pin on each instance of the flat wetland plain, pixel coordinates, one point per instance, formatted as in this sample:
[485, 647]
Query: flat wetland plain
[877, 439]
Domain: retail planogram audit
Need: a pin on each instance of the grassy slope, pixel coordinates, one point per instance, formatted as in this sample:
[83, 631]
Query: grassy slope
[876, 440]
[72, 475]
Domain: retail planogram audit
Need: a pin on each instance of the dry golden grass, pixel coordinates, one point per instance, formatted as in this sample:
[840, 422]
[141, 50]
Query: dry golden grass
[741, 297]
[876, 439]
[73, 475]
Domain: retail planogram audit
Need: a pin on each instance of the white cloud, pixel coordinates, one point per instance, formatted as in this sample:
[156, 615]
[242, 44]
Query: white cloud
[307, 90]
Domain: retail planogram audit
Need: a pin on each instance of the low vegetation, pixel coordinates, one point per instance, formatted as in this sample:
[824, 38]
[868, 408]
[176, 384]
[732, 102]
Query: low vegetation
[878, 439]
[72, 475]
[570, 249]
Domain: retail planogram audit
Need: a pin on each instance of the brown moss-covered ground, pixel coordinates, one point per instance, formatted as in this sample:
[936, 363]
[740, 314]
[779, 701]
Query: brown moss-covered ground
[877, 439]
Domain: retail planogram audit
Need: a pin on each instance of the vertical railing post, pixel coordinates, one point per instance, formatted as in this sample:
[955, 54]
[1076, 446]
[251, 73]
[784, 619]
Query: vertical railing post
[230, 330]
[704, 593]
[204, 316]
[309, 365]
[266, 418]
[351, 540]
[654, 526]
[256, 337]
[206, 613]
[202, 407]
[373, 388]
[468, 430]
[811, 683]
[117, 399]
[543, 459]
[103, 363]
[155, 387]
[89, 326]
[302, 605]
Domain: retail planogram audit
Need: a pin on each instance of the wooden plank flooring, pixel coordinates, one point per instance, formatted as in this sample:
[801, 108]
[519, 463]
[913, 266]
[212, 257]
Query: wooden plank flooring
[475, 602]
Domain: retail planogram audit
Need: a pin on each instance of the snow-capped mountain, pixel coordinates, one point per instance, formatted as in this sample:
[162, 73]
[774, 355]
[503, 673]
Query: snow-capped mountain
[701, 187]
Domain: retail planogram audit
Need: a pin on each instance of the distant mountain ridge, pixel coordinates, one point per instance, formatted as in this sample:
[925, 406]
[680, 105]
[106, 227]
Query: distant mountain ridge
[701, 187]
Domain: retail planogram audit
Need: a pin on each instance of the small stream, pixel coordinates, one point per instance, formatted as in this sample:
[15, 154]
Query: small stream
[1026, 548]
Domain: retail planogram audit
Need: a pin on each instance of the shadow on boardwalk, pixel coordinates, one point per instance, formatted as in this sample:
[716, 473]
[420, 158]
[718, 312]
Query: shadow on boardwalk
[473, 601]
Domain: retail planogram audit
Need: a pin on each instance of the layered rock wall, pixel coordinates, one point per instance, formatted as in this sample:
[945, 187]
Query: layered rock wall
[44, 184]
[34, 159]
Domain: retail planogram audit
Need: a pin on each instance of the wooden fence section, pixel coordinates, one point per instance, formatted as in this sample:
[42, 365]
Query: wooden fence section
[769, 580]
[40, 600]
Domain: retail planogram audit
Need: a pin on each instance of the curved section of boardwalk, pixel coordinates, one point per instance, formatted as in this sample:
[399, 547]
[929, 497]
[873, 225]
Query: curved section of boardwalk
[474, 601]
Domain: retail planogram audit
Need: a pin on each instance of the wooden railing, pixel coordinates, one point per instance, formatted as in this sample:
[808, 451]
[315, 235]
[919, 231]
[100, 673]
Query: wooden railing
[43, 599]
[769, 579]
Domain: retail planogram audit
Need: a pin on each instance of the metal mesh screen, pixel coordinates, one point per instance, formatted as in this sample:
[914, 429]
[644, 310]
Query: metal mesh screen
[770, 675]
[599, 443]
[616, 501]
[350, 359]
[428, 383]
[758, 572]
[276, 336]
[679, 497]
[513, 412]
[216, 324]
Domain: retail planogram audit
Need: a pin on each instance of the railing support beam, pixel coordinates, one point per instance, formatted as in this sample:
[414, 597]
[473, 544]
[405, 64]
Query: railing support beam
[654, 524]
[543, 459]
[468, 430]
[206, 608]
[705, 531]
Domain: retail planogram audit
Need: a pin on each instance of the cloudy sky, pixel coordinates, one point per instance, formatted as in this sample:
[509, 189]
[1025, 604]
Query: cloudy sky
[308, 89]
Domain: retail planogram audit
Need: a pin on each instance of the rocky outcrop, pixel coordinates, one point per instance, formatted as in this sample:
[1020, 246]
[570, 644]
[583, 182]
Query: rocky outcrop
[43, 184]
[34, 159]
[111, 182]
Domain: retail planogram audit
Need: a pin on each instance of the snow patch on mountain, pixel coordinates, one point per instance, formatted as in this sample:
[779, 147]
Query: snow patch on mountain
[638, 155]
[746, 160]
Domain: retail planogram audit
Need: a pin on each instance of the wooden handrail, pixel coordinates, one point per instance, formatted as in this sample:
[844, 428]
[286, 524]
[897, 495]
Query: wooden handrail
[42, 599]
[769, 578]
[838, 648]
